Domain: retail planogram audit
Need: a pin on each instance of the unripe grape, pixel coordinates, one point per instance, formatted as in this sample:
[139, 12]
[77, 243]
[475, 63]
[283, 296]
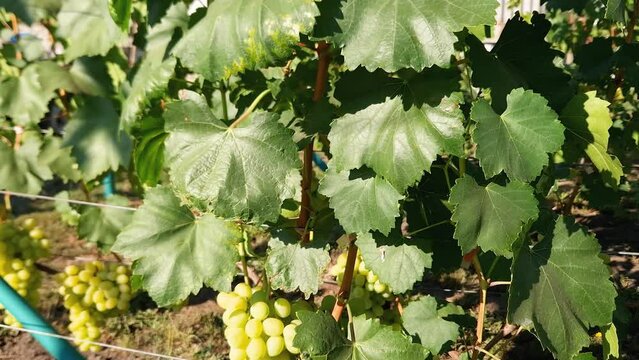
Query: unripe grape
[379, 287]
[282, 307]
[275, 345]
[273, 327]
[237, 354]
[243, 290]
[342, 259]
[80, 289]
[259, 310]
[236, 337]
[237, 318]
[253, 328]
[72, 270]
[29, 223]
[256, 349]
[36, 234]
[328, 302]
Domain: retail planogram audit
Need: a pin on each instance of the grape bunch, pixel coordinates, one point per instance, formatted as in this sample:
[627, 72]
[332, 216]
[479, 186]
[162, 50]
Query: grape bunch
[368, 296]
[92, 293]
[20, 247]
[258, 327]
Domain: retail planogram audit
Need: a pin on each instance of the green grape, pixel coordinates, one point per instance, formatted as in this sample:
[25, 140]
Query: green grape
[275, 345]
[243, 290]
[289, 335]
[256, 349]
[282, 308]
[379, 287]
[236, 337]
[237, 318]
[273, 326]
[237, 354]
[253, 328]
[259, 311]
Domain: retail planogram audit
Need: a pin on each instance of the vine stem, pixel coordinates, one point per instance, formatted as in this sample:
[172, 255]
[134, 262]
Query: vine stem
[16, 31]
[250, 109]
[321, 80]
[243, 245]
[16, 146]
[630, 29]
[482, 306]
[429, 227]
[225, 110]
[345, 288]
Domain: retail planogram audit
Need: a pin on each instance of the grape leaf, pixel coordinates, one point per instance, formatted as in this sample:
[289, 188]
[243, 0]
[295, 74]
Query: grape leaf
[193, 250]
[360, 204]
[318, 334]
[30, 11]
[408, 34]
[155, 70]
[358, 89]
[520, 58]
[148, 152]
[59, 159]
[398, 144]
[96, 141]
[121, 12]
[374, 341]
[561, 287]
[22, 170]
[23, 98]
[101, 226]
[616, 10]
[291, 266]
[422, 319]
[518, 140]
[492, 216]
[236, 35]
[610, 342]
[587, 121]
[396, 262]
[237, 171]
[88, 27]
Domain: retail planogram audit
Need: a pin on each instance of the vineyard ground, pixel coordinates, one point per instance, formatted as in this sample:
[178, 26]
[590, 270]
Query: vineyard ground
[195, 330]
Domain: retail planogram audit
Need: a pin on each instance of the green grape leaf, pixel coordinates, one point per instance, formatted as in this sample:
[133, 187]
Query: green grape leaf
[408, 34]
[121, 12]
[358, 89]
[610, 342]
[59, 159]
[236, 35]
[616, 10]
[24, 98]
[86, 76]
[493, 216]
[561, 287]
[517, 140]
[148, 151]
[97, 144]
[396, 262]
[155, 70]
[374, 341]
[318, 334]
[237, 171]
[30, 11]
[326, 25]
[88, 27]
[195, 251]
[22, 170]
[101, 225]
[520, 58]
[398, 144]
[291, 266]
[421, 318]
[587, 121]
[361, 204]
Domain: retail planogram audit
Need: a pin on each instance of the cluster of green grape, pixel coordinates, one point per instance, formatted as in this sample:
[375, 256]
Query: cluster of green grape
[93, 293]
[368, 295]
[20, 247]
[257, 327]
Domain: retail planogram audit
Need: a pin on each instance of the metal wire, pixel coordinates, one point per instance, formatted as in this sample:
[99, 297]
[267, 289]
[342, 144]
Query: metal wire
[78, 202]
[69, 338]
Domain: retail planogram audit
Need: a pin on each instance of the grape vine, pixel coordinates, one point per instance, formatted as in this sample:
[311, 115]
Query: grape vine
[315, 162]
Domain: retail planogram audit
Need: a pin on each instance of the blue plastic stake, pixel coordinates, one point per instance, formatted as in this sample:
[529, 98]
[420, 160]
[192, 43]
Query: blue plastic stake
[109, 185]
[60, 349]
